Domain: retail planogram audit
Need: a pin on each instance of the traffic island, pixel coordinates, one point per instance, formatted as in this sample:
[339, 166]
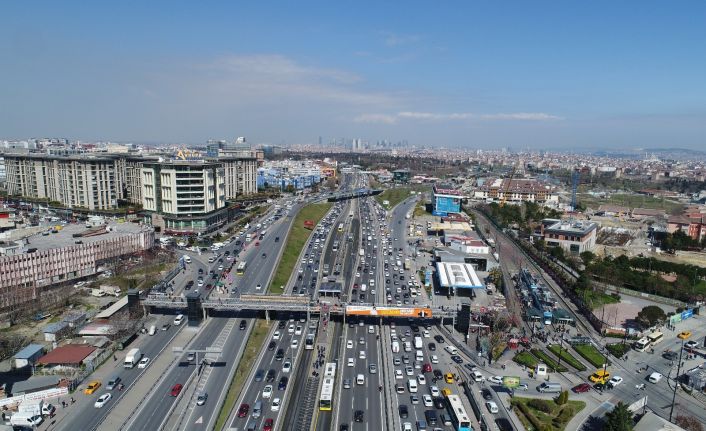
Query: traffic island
[591, 354]
[538, 414]
[561, 352]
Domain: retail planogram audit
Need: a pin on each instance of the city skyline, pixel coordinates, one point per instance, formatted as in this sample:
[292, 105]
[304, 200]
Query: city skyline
[554, 76]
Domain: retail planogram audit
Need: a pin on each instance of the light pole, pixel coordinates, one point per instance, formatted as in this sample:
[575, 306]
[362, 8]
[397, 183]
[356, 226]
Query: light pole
[676, 381]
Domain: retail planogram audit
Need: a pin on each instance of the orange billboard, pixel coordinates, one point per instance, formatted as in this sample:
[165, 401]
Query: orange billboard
[361, 310]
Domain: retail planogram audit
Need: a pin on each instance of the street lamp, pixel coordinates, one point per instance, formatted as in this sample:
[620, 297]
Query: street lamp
[676, 380]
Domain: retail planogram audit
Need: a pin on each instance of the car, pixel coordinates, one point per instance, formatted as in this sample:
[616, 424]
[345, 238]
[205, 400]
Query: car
[361, 354]
[92, 387]
[201, 398]
[684, 335]
[407, 426]
[434, 359]
[295, 344]
[279, 355]
[404, 412]
[581, 388]
[446, 392]
[166, 326]
[349, 344]
[287, 366]
[269, 422]
[434, 391]
[176, 390]
[259, 375]
[457, 359]
[243, 324]
[449, 378]
[276, 404]
[439, 339]
[398, 374]
[670, 355]
[615, 381]
[600, 376]
[439, 403]
[426, 368]
[477, 376]
[498, 380]
[409, 370]
[373, 368]
[243, 410]
[267, 392]
[492, 407]
[432, 347]
[414, 399]
[190, 357]
[358, 416]
[691, 344]
[486, 394]
[143, 362]
[282, 385]
[102, 400]
[427, 400]
[421, 379]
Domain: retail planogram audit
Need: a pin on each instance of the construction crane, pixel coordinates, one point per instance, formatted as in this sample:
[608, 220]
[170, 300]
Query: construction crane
[507, 187]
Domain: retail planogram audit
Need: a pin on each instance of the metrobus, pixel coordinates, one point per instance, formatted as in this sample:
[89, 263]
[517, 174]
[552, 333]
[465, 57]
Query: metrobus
[309, 342]
[326, 400]
[240, 269]
[655, 337]
[642, 344]
[459, 418]
[340, 227]
[330, 370]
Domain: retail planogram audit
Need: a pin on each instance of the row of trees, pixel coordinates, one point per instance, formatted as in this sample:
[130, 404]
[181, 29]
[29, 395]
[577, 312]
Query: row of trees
[620, 419]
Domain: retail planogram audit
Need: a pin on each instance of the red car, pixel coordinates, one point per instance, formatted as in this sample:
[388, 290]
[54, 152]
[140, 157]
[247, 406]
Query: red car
[427, 368]
[355, 285]
[268, 425]
[243, 410]
[583, 387]
[257, 243]
[176, 390]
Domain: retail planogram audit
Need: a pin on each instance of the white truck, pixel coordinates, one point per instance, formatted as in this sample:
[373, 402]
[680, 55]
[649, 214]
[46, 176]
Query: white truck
[132, 358]
[29, 420]
[111, 290]
[418, 344]
[36, 407]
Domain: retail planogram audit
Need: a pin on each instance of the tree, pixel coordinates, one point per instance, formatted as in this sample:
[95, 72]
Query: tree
[587, 257]
[563, 398]
[689, 423]
[650, 316]
[618, 419]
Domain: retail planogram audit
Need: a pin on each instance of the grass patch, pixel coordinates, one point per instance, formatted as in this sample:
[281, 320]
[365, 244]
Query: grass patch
[420, 209]
[618, 349]
[393, 196]
[632, 201]
[595, 299]
[591, 354]
[252, 348]
[499, 350]
[551, 363]
[566, 356]
[526, 359]
[296, 240]
[556, 417]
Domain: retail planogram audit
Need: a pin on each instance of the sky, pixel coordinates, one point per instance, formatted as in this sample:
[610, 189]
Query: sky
[562, 74]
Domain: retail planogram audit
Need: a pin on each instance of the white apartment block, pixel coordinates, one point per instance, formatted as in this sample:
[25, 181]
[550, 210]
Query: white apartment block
[240, 175]
[573, 236]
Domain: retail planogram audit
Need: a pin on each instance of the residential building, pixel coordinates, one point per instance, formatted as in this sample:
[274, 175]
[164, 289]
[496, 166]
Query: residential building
[240, 175]
[574, 236]
[517, 190]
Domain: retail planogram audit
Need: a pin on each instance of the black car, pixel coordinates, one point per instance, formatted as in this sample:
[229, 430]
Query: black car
[259, 375]
[282, 383]
[358, 416]
[457, 359]
[439, 339]
[279, 355]
[271, 346]
[438, 375]
[243, 324]
[670, 355]
[276, 239]
[200, 270]
[281, 324]
[344, 427]
[430, 416]
[404, 413]
[270, 376]
[486, 394]
[503, 424]
[439, 403]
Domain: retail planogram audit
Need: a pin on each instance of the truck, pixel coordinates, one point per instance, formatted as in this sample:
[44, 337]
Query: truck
[98, 293]
[132, 358]
[395, 346]
[407, 264]
[111, 290]
[29, 420]
[36, 407]
[418, 344]
[248, 237]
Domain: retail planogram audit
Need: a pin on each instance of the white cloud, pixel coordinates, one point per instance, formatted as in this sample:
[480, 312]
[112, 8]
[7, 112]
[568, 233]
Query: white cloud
[401, 39]
[454, 116]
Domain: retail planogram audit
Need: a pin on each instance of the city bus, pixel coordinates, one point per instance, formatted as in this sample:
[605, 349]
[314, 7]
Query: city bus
[642, 344]
[330, 370]
[326, 400]
[240, 269]
[309, 342]
[340, 227]
[459, 418]
[655, 337]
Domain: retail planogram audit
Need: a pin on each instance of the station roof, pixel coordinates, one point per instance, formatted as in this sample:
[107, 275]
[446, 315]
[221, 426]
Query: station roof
[108, 312]
[458, 275]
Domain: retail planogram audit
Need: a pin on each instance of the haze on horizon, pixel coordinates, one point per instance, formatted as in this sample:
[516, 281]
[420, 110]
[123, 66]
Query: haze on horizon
[553, 75]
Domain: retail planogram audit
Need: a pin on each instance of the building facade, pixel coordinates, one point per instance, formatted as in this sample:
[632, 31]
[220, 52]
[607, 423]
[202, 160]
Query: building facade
[574, 237]
[517, 190]
[446, 201]
[240, 175]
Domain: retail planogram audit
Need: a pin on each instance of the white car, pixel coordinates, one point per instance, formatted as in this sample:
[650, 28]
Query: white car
[421, 379]
[349, 344]
[290, 328]
[691, 344]
[361, 354]
[295, 344]
[498, 380]
[267, 392]
[276, 335]
[351, 362]
[434, 391]
[409, 370]
[407, 426]
[398, 374]
[615, 381]
[275, 404]
[102, 400]
[477, 376]
[492, 407]
[426, 399]
[143, 362]
[434, 359]
[287, 366]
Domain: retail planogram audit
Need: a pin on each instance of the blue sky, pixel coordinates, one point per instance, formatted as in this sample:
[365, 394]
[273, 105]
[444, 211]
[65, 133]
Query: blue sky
[540, 74]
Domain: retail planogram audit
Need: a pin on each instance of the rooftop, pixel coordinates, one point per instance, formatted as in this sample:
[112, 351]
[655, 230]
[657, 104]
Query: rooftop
[64, 238]
[53, 328]
[461, 275]
[578, 227]
[72, 354]
[29, 351]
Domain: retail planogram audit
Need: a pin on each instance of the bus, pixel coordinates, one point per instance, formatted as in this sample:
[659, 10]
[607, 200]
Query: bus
[340, 227]
[240, 269]
[326, 400]
[330, 370]
[642, 344]
[309, 342]
[655, 337]
[459, 418]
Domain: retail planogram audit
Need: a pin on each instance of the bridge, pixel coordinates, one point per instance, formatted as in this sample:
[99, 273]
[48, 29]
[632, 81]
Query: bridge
[341, 196]
[294, 304]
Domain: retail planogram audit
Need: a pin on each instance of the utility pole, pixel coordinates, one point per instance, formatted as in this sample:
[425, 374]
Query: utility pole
[676, 381]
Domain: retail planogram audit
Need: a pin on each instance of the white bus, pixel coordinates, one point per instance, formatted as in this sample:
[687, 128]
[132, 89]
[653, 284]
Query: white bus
[642, 344]
[326, 400]
[330, 370]
[655, 337]
[459, 417]
[240, 269]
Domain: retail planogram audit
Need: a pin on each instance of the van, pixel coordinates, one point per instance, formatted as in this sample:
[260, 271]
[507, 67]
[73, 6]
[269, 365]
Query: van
[412, 385]
[451, 349]
[421, 425]
[395, 347]
[654, 377]
[549, 387]
[257, 410]
[113, 383]
[363, 287]
[153, 330]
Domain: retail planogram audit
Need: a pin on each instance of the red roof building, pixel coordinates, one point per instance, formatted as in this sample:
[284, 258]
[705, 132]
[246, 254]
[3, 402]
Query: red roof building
[68, 355]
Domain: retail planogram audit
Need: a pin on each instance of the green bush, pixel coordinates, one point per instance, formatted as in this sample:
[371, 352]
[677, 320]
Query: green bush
[541, 405]
[529, 415]
[565, 415]
[563, 398]
[551, 363]
[591, 354]
[526, 359]
[618, 349]
[566, 356]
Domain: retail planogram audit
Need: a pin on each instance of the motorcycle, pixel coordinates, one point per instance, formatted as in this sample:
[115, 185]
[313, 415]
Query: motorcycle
[641, 386]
